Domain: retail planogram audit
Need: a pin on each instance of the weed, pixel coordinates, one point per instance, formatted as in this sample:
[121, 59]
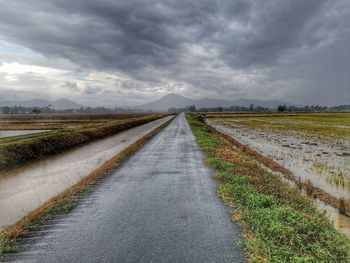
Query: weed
[65, 201]
[24, 149]
[280, 225]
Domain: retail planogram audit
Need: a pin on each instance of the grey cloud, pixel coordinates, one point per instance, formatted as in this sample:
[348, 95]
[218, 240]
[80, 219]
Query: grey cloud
[71, 86]
[92, 89]
[155, 41]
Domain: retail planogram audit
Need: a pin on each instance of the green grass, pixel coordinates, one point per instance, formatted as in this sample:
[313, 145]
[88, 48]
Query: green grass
[280, 225]
[21, 149]
[65, 201]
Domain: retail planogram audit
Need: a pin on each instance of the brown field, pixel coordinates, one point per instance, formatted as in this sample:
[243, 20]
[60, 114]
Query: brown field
[310, 149]
[58, 121]
[66, 131]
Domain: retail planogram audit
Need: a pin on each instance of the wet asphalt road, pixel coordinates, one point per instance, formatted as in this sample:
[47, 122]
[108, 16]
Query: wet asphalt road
[159, 206]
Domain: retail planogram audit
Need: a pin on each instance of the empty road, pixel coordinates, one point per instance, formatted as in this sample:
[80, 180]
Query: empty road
[161, 205]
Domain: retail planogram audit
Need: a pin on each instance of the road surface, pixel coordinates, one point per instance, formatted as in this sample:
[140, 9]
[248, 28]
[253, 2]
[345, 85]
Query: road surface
[26, 187]
[159, 206]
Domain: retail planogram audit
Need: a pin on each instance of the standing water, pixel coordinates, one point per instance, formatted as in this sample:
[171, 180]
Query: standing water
[301, 159]
[25, 188]
[10, 133]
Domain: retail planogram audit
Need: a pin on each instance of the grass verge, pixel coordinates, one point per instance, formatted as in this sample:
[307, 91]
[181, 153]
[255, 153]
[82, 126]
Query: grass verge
[280, 225]
[65, 201]
[23, 150]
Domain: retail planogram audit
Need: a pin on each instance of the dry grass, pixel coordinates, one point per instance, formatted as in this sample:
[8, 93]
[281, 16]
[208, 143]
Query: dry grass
[307, 186]
[65, 201]
[320, 126]
[59, 121]
[280, 224]
[21, 149]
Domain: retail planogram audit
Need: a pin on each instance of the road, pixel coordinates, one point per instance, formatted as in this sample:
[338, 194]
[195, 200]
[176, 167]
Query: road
[24, 188]
[159, 206]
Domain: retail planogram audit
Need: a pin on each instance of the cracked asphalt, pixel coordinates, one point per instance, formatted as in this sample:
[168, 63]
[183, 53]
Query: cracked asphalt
[160, 205]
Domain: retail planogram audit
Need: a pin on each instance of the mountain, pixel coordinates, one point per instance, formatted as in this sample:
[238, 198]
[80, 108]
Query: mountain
[177, 101]
[60, 104]
[168, 101]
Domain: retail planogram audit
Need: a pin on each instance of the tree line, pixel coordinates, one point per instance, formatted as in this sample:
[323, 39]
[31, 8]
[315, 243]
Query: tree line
[253, 108]
[50, 110]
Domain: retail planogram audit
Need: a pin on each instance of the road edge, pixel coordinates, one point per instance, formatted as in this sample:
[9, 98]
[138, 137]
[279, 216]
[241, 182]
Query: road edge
[276, 219]
[64, 202]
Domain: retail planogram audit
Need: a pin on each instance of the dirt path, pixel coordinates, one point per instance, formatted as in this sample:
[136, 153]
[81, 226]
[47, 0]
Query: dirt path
[159, 206]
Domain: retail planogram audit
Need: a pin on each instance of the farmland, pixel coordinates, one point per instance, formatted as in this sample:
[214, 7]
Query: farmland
[97, 181]
[59, 121]
[314, 149]
[280, 224]
[60, 132]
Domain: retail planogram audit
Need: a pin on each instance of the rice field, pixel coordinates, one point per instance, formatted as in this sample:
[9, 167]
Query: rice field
[315, 147]
[58, 133]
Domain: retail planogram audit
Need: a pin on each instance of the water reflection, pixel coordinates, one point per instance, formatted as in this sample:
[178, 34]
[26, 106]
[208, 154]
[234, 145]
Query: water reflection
[27, 187]
[9, 133]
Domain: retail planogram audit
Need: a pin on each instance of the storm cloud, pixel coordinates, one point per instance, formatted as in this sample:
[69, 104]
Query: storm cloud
[296, 51]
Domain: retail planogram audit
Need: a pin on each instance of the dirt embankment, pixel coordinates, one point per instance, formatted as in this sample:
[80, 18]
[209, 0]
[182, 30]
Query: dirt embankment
[23, 151]
[340, 203]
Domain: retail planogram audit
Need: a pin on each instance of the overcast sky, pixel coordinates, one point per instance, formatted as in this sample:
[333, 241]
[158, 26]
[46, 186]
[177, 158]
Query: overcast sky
[129, 52]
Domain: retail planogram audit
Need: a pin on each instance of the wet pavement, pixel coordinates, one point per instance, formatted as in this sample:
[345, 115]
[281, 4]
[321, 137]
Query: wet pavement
[24, 188]
[159, 206]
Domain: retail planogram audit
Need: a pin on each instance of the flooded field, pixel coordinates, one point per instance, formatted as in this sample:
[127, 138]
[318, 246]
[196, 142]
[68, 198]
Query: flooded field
[9, 133]
[67, 132]
[59, 121]
[314, 147]
[27, 187]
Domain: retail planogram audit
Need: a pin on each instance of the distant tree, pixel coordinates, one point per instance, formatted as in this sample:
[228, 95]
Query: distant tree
[261, 109]
[5, 110]
[307, 108]
[251, 107]
[36, 111]
[282, 108]
[192, 108]
[172, 110]
[220, 109]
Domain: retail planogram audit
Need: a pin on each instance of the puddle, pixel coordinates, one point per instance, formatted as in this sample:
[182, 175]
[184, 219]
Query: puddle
[341, 222]
[27, 187]
[9, 133]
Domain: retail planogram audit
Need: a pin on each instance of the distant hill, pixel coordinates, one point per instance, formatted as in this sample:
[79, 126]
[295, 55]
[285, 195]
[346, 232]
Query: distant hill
[341, 107]
[61, 104]
[177, 101]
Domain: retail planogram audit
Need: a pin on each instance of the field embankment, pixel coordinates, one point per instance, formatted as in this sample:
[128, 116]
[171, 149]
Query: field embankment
[26, 187]
[310, 149]
[280, 224]
[21, 149]
[60, 121]
[68, 199]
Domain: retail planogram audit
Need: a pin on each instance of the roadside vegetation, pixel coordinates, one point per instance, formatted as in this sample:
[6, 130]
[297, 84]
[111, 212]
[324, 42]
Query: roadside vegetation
[313, 146]
[66, 201]
[20, 149]
[279, 224]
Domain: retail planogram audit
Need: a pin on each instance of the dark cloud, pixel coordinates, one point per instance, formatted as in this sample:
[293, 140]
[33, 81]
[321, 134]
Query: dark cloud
[92, 89]
[220, 47]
